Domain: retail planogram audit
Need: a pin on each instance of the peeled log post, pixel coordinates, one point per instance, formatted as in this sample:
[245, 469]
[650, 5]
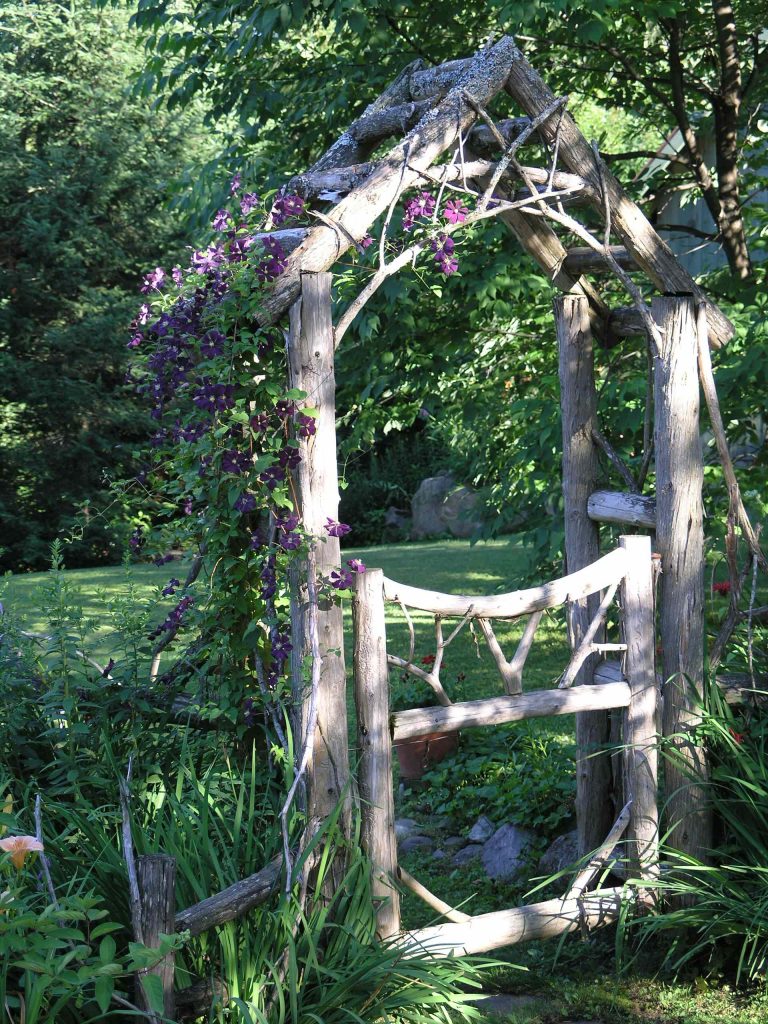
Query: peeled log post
[439, 129]
[641, 758]
[680, 541]
[311, 369]
[648, 250]
[375, 746]
[157, 886]
[578, 399]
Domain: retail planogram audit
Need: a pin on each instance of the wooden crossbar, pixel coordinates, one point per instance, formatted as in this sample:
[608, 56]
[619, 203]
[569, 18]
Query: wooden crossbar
[498, 710]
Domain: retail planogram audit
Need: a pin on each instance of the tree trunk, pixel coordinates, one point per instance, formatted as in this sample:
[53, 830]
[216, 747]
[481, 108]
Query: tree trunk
[680, 540]
[311, 369]
[594, 806]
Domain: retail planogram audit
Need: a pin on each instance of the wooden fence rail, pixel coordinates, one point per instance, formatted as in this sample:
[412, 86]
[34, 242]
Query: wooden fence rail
[635, 691]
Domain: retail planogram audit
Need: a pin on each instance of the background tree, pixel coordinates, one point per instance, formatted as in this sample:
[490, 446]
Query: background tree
[85, 172]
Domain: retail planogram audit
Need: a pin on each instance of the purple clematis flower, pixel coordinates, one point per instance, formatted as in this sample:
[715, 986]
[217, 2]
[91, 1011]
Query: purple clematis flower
[153, 280]
[335, 529]
[246, 502]
[249, 203]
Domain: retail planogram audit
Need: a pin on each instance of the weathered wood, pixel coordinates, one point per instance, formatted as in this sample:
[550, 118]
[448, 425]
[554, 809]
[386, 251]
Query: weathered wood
[578, 400]
[498, 710]
[640, 743]
[647, 249]
[542, 244]
[523, 924]
[625, 322]
[233, 902]
[196, 1000]
[355, 214]
[588, 644]
[377, 804]
[574, 587]
[600, 858]
[511, 672]
[430, 899]
[623, 508]
[311, 369]
[583, 260]
[680, 540]
[157, 885]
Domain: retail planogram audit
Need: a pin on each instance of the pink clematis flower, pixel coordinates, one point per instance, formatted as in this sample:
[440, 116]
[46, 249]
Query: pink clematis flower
[19, 848]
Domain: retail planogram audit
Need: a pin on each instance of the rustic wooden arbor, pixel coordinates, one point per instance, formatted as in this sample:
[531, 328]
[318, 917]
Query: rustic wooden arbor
[444, 109]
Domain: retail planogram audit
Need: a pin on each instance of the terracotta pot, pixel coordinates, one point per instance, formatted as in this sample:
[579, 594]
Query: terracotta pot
[417, 756]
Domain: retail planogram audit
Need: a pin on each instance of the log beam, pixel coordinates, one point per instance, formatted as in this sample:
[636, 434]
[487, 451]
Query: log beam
[523, 924]
[353, 216]
[233, 902]
[473, 714]
[648, 250]
[622, 508]
[577, 585]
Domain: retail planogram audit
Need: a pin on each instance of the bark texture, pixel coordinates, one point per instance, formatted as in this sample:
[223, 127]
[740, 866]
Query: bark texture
[594, 805]
[680, 540]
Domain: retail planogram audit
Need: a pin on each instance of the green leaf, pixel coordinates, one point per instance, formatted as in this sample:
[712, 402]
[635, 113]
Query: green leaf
[153, 987]
[104, 988]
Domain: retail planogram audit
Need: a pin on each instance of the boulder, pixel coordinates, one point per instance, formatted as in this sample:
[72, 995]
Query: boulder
[405, 827]
[505, 853]
[460, 513]
[560, 854]
[469, 853]
[455, 841]
[482, 829]
[416, 843]
[427, 505]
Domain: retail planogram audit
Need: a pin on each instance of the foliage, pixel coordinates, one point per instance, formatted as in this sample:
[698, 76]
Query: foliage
[517, 776]
[717, 912]
[84, 171]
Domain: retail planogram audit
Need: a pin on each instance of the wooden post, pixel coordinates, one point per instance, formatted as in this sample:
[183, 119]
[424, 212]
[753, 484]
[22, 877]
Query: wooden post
[311, 369]
[640, 748]
[594, 805]
[375, 746]
[156, 874]
[680, 540]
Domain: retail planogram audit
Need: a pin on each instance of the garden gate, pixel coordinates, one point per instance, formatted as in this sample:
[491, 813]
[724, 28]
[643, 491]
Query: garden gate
[628, 567]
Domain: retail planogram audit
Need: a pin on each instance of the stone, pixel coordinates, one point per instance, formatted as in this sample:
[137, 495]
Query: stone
[503, 1005]
[561, 854]
[482, 829]
[416, 843]
[439, 855]
[405, 827]
[505, 853]
[455, 841]
[397, 518]
[468, 854]
[427, 504]
[459, 513]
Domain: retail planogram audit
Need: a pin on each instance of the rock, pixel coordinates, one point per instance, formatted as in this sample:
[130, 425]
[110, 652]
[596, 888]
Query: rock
[469, 853]
[405, 827]
[504, 854]
[503, 1005]
[459, 513]
[482, 829]
[396, 517]
[427, 504]
[416, 843]
[563, 852]
[439, 855]
[455, 841]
